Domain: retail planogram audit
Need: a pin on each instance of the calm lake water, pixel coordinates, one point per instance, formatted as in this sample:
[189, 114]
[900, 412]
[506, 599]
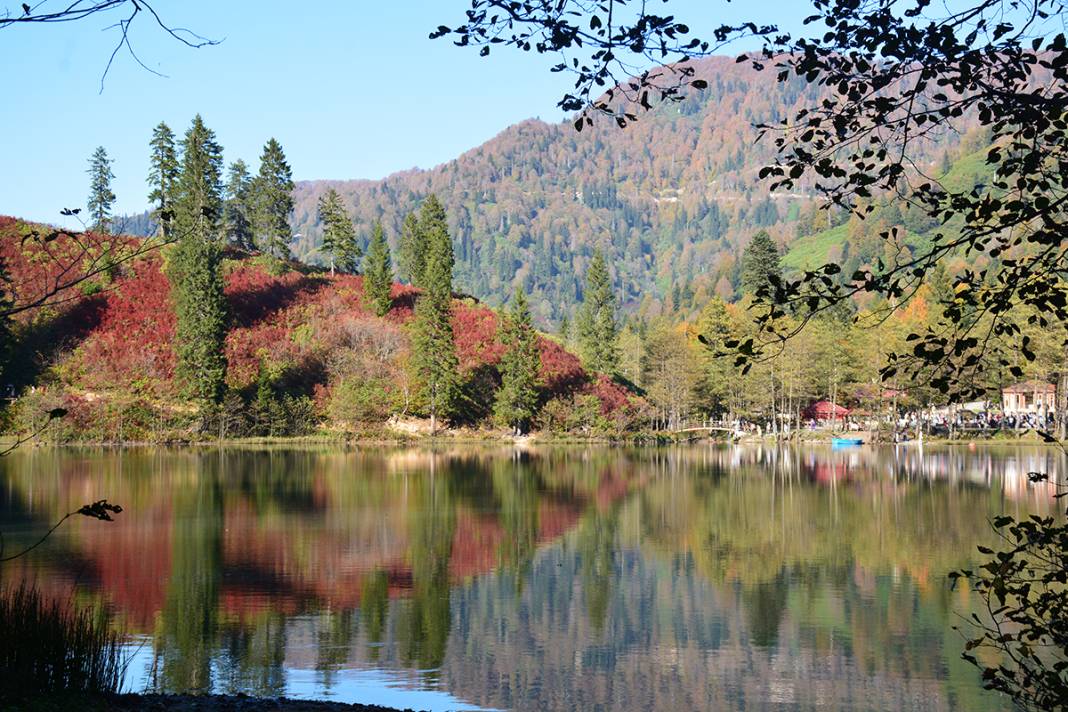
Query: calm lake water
[706, 577]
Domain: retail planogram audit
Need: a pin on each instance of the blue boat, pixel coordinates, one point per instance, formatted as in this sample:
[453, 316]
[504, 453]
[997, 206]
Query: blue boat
[846, 442]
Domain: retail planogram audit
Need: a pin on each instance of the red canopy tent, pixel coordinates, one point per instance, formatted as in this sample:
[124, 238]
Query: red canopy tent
[824, 410]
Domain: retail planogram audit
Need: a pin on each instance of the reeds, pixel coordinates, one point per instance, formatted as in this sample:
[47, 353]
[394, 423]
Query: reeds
[46, 647]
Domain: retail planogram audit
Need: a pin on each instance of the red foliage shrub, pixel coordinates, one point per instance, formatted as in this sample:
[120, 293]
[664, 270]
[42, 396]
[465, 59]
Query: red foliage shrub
[131, 344]
[475, 333]
[41, 260]
[616, 401]
[561, 371]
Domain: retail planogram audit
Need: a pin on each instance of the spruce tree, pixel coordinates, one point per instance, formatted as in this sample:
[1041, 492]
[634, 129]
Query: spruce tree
[194, 267]
[339, 236]
[238, 209]
[378, 273]
[517, 398]
[412, 255]
[596, 327]
[434, 363]
[434, 231]
[761, 265]
[101, 198]
[274, 201]
[163, 177]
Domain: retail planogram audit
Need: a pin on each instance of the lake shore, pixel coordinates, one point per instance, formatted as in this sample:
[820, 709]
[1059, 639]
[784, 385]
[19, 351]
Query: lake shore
[183, 703]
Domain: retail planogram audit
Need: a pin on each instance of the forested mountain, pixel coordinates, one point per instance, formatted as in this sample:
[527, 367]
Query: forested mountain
[671, 200]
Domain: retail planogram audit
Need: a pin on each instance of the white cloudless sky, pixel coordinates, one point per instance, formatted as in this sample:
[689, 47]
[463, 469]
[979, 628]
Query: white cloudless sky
[351, 89]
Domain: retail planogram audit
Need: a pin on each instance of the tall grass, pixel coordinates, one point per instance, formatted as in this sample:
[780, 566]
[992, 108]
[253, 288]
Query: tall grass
[49, 647]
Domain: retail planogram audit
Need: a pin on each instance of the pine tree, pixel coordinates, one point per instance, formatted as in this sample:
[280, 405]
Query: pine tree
[378, 273]
[596, 327]
[412, 255]
[339, 236]
[434, 363]
[761, 265]
[163, 177]
[274, 201]
[517, 398]
[238, 209]
[101, 197]
[194, 267]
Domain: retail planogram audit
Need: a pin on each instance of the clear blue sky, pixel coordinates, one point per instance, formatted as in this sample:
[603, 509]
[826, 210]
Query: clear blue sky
[351, 88]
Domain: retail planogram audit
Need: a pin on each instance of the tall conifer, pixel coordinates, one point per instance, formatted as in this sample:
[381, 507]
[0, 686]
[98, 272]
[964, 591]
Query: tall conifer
[760, 263]
[412, 256]
[339, 236]
[274, 201]
[434, 362]
[517, 398]
[378, 273]
[238, 209]
[194, 267]
[163, 177]
[596, 326]
[101, 198]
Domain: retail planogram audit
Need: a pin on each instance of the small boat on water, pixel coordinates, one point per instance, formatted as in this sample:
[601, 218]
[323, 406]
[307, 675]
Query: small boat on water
[846, 442]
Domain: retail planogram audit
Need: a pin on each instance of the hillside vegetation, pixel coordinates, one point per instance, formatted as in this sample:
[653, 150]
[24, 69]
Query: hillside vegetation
[303, 353]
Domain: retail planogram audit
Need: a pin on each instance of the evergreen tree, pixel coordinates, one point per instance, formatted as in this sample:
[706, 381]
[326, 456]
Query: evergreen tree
[760, 265]
[596, 327]
[565, 329]
[378, 272]
[274, 201]
[238, 208]
[101, 197]
[517, 398]
[434, 232]
[194, 267]
[163, 177]
[339, 236]
[198, 196]
[412, 255]
[434, 363]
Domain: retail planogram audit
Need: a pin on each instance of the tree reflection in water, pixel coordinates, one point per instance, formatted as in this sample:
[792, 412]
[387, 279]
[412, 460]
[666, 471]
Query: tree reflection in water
[731, 578]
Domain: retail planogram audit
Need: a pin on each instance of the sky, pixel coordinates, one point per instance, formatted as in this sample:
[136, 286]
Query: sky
[350, 88]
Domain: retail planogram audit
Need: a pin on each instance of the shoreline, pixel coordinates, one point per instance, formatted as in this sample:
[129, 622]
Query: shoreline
[489, 439]
[153, 702]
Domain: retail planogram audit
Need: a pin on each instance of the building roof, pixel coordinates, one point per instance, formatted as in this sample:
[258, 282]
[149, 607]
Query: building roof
[1028, 387]
[824, 409]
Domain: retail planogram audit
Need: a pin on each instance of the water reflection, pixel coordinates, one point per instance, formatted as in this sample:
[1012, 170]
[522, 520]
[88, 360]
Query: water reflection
[727, 578]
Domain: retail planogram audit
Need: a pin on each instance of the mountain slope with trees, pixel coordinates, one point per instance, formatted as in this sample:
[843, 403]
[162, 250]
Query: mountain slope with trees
[670, 201]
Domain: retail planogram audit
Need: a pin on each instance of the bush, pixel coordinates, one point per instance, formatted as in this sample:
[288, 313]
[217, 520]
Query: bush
[355, 401]
[46, 647]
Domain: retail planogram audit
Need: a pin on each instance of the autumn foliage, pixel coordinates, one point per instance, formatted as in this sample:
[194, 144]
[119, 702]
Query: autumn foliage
[310, 333]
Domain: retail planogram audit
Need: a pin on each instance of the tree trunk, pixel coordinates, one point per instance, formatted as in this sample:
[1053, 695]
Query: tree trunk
[1062, 399]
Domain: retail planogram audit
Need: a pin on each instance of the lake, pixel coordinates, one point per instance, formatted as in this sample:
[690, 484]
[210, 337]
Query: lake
[707, 577]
